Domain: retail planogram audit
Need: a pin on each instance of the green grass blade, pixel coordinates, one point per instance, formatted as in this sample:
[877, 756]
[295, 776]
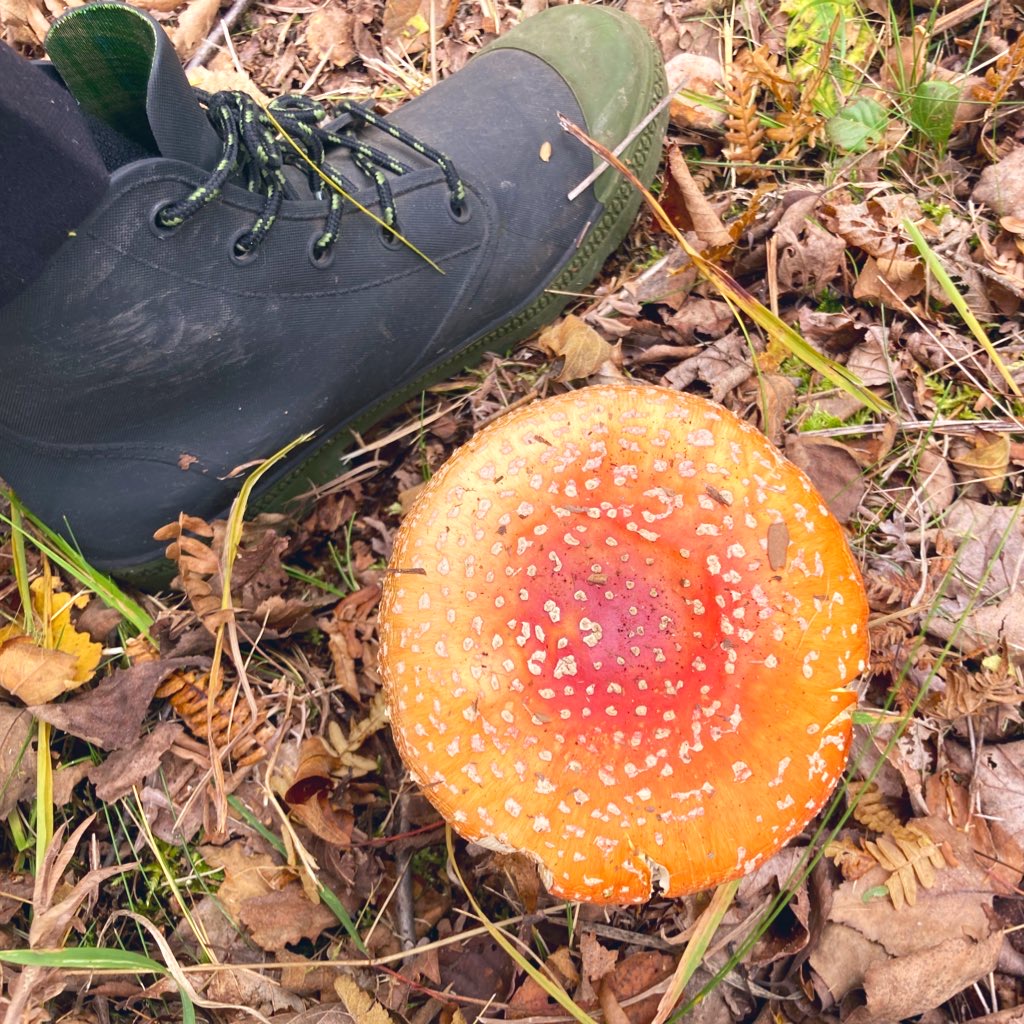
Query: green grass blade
[61, 553]
[556, 992]
[44, 793]
[21, 570]
[84, 958]
[736, 296]
[938, 271]
[331, 901]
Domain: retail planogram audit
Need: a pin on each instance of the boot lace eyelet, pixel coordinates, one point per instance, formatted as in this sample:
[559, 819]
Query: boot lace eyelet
[321, 259]
[389, 239]
[238, 253]
[156, 225]
[459, 210]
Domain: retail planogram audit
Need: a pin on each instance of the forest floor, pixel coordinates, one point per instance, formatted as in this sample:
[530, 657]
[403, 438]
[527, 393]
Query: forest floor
[858, 167]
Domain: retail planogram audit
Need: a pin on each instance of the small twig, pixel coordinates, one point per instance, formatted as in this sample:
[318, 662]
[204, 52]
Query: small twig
[213, 41]
[603, 166]
[923, 426]
[951, 19]
[406, 915]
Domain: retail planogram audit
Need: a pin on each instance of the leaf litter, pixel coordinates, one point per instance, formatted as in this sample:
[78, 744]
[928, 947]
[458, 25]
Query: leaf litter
[261, 821]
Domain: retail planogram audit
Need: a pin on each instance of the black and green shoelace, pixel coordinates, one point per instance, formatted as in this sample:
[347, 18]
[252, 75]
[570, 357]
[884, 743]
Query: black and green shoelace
[254, 152]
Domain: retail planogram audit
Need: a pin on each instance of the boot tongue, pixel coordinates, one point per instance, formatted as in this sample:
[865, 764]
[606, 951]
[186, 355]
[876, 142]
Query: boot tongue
[120, 66]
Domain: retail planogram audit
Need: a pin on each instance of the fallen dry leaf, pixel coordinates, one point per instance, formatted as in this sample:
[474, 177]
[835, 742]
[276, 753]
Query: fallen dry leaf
[309, 794]
[986, 458]
[596, 962]
[998, 778]
[890, 277]
[701, 77]
[363, 1008]
[25, 20]
[703, 219]
[194, 24]
[224, 80]
[583, 350]
[248, 872]
[253, 990]
[1001, 185]
[994, 845]
[35, 674]
[317, 763]
[407, 23]
[934, 478]
[111, 714]
[903, 987]
[329, 34]
[724, 365]
[834, 470]
[282, 918]
[809, 257]
[17, 757]
[36, 670]
[126, 768]
[477, 967]
[982, 607]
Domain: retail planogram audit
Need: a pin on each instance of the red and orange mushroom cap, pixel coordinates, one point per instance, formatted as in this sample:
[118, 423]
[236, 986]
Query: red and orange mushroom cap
[620, 635]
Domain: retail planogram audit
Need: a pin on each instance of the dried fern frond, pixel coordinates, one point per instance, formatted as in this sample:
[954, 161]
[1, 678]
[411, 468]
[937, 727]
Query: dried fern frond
[852, 860]
[192, 548]
[888, 587]
[974, 691]
[890, 642]
[910, 862]
[1002, 76]
[766, 68]
[872, 811]
[231, 721]
[744, 132]
[907, 852]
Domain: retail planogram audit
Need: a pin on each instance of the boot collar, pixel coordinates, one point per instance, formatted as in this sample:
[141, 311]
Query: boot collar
[121, 67]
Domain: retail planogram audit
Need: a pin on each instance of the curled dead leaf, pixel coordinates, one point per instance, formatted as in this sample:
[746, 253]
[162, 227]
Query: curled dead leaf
[583, 350]
[194, 24]
[313, 774]
[692, 79]
[329, 34]
[707, 225]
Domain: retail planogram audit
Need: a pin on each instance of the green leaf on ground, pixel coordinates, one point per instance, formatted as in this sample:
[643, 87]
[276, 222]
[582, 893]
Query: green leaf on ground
[932, 107]
[857, 125]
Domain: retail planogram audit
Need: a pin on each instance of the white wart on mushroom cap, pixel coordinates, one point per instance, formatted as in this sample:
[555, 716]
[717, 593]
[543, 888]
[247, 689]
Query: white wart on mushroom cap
[619, 634]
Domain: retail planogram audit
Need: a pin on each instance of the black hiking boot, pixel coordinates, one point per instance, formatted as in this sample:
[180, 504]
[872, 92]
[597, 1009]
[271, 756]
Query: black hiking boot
[217, 304]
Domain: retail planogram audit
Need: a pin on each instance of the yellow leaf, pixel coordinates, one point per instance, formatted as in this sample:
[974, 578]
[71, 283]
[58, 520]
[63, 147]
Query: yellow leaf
[53, 607]
[360, 1005]
[62, 659]
[582, 348]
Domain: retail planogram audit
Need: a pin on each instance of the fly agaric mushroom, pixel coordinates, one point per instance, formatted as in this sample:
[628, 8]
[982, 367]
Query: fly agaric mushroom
[619, 634]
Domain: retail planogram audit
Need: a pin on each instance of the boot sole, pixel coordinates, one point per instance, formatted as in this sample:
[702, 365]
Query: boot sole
[320, 462]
